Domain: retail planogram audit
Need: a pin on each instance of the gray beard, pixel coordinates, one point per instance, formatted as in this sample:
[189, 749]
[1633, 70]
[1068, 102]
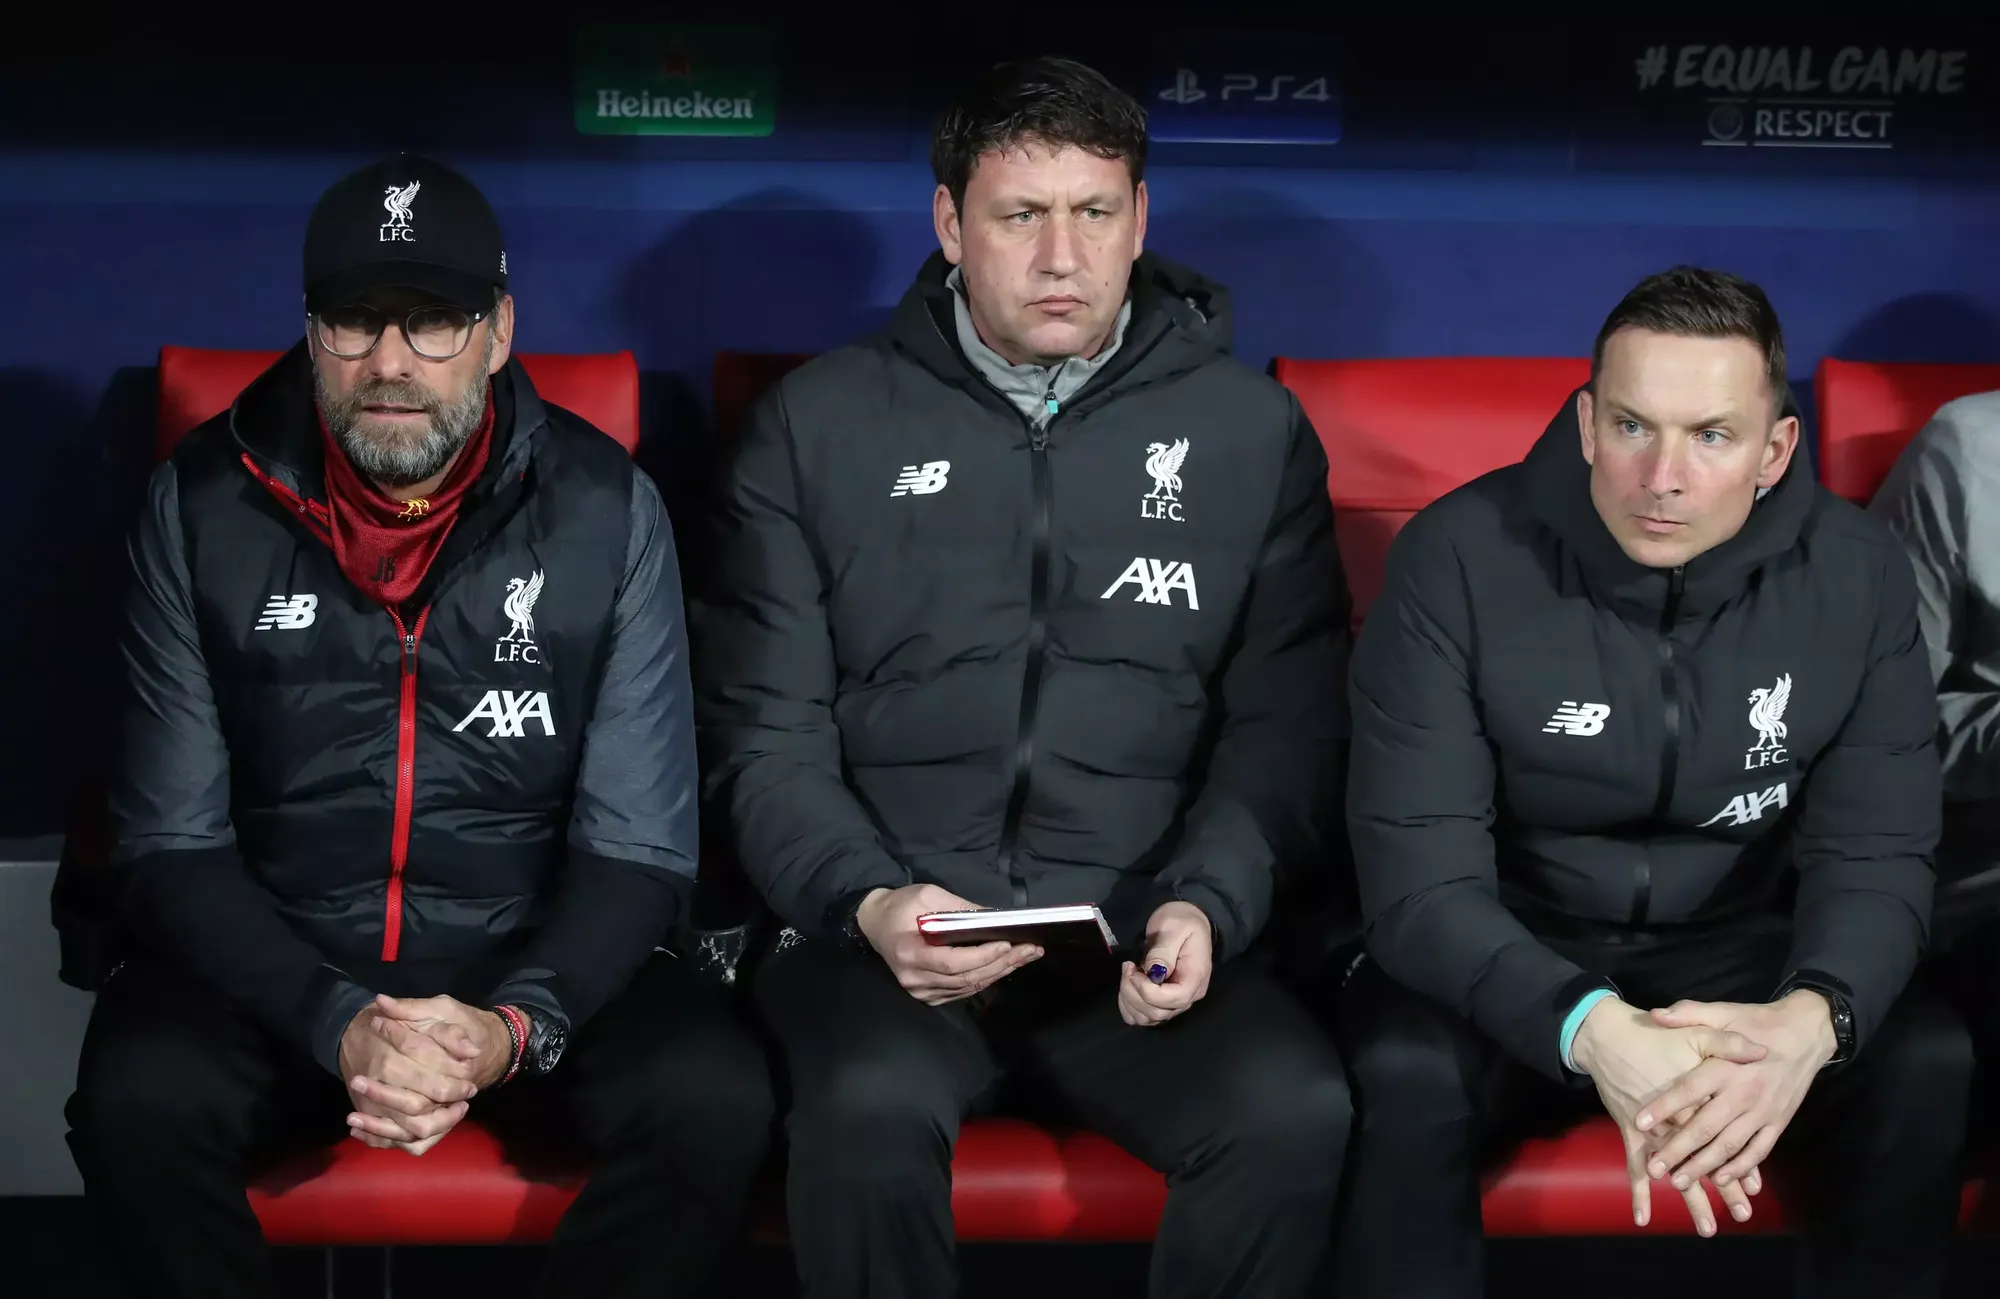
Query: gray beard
[403, 459]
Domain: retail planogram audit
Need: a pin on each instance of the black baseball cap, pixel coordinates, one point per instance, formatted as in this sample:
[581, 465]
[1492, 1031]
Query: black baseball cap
[407, 222]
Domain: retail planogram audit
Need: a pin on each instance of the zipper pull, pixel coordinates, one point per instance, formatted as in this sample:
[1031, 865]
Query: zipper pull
[1038, 439]
[1049, 400]
[410, 644]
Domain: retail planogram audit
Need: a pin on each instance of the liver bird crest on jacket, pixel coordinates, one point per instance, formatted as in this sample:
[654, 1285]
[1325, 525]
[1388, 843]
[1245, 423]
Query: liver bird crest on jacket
[1163, 462]
[1767, 713]
[522, 592]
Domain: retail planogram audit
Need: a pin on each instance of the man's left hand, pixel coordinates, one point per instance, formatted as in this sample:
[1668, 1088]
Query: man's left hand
[1180, 957]
[451, 1022]
[418, 1026]
[1739, 1110]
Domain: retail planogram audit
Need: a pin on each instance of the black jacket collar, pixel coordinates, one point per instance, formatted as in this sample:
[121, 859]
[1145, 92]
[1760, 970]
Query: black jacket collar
[1558, 493]
[274, 421]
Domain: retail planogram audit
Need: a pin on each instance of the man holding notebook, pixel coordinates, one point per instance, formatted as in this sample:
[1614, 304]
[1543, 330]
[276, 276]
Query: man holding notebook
[1032, 601]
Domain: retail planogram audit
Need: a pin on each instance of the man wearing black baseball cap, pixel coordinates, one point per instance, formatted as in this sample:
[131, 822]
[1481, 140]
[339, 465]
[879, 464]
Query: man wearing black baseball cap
[406, 797]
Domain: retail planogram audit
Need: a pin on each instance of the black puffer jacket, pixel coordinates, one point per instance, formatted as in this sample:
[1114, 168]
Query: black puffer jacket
[1096, 657]
[1551, 740]
[315, 794]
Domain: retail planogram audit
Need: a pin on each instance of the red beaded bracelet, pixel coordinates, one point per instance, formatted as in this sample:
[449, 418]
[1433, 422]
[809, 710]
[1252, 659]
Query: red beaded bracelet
[517, 1028]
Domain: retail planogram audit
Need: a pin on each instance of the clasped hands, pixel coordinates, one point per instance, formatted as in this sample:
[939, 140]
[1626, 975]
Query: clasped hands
[1178, 962]
[1703, 1090]
[413, 1065]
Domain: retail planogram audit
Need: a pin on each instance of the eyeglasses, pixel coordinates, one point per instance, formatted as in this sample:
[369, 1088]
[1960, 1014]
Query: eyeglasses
[435, 332]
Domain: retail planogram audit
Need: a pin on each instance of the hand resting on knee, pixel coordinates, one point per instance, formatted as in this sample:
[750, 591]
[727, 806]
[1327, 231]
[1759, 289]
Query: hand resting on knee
[414, 1065]
[1634, 1059]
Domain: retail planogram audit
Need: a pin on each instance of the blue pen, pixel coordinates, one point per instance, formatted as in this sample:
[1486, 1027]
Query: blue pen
[1156, 972]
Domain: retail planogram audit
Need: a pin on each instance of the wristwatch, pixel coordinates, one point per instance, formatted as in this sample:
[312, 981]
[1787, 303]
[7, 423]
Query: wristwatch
[843, 919]
[547, 1036]
[1840, 1007]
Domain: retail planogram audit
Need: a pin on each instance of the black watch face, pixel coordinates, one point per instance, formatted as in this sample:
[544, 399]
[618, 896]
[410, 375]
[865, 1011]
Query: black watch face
[550, 1049]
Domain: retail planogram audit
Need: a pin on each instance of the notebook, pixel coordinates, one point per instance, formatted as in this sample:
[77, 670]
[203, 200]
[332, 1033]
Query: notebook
[1075, 929]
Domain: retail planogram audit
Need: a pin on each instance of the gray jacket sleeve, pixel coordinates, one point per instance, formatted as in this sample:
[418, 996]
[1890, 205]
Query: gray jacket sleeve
[1939, 500]
[633, 841]
[184, 888]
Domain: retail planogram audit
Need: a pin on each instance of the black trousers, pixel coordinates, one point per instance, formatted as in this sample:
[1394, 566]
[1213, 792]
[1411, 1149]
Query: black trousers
[1970, 972]
[1240, 1101]
[178, 1097]
[1874, 1151]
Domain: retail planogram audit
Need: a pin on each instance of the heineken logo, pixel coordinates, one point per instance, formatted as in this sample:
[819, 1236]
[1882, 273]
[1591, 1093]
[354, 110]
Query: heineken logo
[675, 79]
[614, 102]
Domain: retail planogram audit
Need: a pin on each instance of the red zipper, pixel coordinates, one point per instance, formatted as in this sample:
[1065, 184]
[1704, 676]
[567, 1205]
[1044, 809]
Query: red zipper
[406, 780]
[318, 520]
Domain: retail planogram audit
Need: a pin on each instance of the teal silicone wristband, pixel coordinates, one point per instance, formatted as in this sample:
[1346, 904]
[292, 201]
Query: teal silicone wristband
[1574, 1021]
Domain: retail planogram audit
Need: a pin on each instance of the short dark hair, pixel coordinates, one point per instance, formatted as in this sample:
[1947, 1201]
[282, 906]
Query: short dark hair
[1696, 303]
[1051, 101]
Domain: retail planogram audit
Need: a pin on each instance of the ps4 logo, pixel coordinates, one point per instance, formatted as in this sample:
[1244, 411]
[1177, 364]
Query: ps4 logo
[1257, 88]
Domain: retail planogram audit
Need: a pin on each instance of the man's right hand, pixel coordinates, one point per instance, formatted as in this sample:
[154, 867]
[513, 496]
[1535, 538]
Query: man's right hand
[409, 1089]
[1632, 1060]
[932, 973]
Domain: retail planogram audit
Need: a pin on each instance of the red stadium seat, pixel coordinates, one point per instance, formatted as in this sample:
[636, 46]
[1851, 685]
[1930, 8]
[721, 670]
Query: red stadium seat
[1011, 1181]
[197, 384]
[1869, 411]
[740, 378]
[1401, 433]
[463, 1192]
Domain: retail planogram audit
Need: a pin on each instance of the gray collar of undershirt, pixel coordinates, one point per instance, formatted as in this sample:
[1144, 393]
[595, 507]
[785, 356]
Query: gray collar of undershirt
[1030, 387]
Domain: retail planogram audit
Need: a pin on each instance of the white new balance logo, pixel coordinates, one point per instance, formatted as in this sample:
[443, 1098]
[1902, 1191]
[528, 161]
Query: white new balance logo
[923, 479]
[509, 711]
[288, 613]
[1578, 719]
[1158, 580]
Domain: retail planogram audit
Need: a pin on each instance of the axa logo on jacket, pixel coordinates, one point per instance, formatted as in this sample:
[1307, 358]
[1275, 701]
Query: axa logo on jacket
[1745, 808]
[510, 711]
[1157, 579]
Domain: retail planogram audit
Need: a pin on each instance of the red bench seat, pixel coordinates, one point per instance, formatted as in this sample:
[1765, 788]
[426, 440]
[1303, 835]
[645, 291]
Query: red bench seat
[1011, 1181]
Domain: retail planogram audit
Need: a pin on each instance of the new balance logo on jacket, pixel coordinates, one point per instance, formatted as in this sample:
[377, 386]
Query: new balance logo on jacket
[922, 480]
[1578, 719]
[288, 613]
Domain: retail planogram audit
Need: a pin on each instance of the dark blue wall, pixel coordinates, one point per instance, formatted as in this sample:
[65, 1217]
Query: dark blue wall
[169, 213]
